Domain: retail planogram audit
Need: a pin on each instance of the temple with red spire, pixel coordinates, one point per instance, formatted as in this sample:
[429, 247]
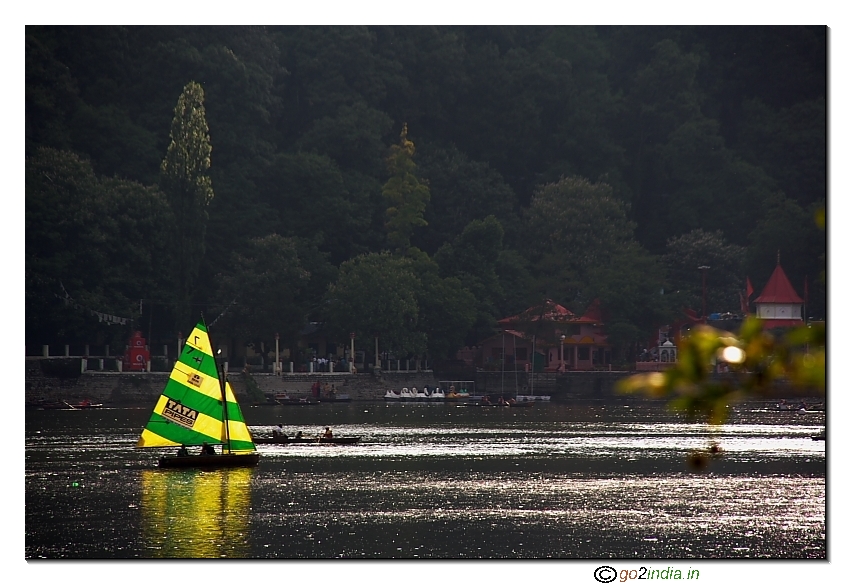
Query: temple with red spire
[779, 306]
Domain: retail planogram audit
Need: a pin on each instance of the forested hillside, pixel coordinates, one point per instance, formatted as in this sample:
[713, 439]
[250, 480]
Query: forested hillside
[416, 183]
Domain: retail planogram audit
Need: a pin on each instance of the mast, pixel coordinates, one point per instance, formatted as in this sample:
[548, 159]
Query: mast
[222, 382]
[503, 363]
[533, 339]
[516, 373]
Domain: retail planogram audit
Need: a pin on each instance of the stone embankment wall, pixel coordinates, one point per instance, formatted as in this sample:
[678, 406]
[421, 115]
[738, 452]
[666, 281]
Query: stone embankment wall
[114, 388]
[143, 389]
[360, 386]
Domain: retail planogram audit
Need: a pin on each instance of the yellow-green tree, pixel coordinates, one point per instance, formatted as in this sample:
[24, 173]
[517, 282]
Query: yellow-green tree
[405, 194]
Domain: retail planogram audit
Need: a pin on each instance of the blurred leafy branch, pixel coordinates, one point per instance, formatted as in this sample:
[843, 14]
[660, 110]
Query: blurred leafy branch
[757, 360]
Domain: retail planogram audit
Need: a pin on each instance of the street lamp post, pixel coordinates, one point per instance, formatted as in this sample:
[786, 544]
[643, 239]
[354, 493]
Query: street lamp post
[563, 368]
[703, 268]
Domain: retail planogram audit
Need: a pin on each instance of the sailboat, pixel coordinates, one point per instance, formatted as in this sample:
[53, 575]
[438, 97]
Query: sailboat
[198, 408]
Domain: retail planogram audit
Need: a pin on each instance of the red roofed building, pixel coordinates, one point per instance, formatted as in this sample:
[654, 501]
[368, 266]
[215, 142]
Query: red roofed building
[779, 305]
[549, 330]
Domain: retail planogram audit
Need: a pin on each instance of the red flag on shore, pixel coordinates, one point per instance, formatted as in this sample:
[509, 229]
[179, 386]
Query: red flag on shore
[745, 300]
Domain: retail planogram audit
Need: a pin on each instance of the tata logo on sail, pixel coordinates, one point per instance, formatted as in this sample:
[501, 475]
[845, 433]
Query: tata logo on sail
[180, 414]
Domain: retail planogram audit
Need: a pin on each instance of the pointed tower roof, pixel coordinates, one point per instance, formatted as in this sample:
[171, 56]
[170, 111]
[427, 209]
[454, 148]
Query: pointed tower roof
[778, 290]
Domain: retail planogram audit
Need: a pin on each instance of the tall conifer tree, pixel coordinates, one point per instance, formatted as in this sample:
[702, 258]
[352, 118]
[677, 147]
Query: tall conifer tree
[189, 190]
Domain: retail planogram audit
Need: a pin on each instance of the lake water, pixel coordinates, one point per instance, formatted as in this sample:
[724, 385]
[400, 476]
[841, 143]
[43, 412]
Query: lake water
[578, 480]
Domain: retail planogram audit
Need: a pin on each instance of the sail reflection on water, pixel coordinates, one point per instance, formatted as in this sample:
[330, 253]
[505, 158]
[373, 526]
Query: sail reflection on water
[196, 514]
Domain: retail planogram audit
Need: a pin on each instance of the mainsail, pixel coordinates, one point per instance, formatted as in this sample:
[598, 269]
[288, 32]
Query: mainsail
[190, 411]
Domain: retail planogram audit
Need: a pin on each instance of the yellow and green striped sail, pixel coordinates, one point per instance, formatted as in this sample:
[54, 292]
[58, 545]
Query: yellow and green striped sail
[189, 411]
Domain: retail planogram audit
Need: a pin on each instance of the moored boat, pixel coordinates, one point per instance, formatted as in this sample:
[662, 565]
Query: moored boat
[455, 391]
[408, 394]
[417, 395]
[341, 398]
[541, 398]
[435, 394]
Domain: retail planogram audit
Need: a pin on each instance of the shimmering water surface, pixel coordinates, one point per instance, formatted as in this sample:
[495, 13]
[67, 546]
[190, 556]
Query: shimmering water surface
[577, 480]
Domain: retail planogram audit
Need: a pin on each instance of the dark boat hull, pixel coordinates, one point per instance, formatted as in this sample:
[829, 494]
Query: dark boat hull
[294, 402]
[69, 406]
[227, 460]
[292, 440]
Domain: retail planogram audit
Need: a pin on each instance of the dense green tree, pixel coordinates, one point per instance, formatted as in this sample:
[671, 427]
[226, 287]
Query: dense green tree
[724, 278]
[353, 138]
[583, 141]
[426, 76]
[462, 190]
[516, 282]
[789, 144]
[630, 288]
[662, 95]
[51, 97]
[312, 201]
[446, 309]
[265, 292]
[473, 258]
[571, 226]
[376, 296]
[328, 68]
[690, 127]
[98, 240]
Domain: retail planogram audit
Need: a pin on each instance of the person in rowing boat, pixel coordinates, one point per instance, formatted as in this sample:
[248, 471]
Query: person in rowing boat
[328, 433]
[278, 434]
[182, 452]
[299, 435]
[207, 449]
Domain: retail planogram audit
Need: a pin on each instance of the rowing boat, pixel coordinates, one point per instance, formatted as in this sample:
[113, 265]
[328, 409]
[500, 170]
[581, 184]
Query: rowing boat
[286, 440]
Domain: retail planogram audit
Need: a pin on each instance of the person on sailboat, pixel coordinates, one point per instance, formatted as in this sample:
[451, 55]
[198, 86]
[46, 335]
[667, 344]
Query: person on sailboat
[207, 449]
